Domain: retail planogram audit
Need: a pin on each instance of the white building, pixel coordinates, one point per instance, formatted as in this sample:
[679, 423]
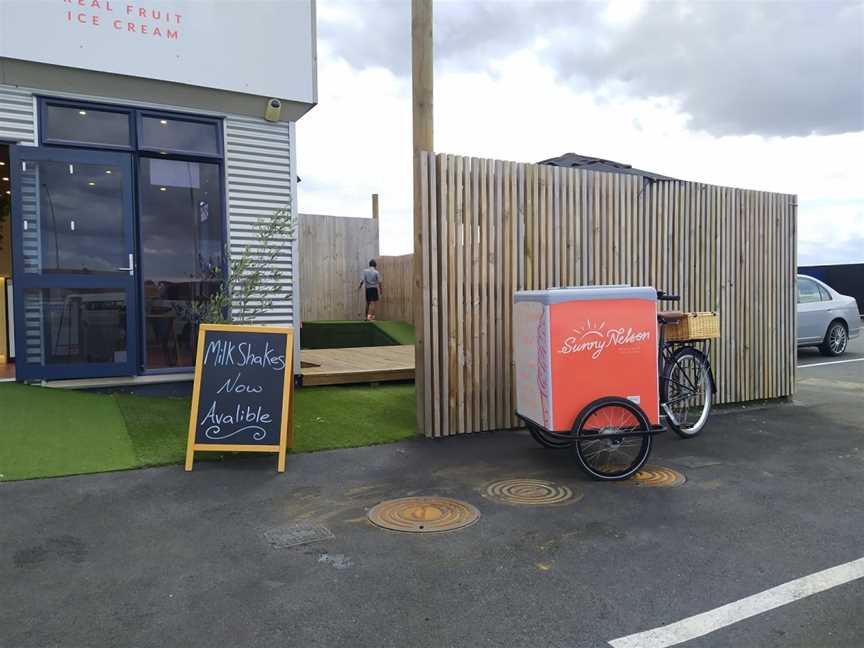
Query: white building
[137, 140]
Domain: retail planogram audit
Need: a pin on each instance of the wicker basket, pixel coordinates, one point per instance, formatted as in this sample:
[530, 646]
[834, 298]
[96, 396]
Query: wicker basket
[694, 326]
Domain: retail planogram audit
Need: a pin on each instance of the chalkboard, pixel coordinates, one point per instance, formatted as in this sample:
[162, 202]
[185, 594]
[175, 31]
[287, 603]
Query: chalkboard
[241, 399]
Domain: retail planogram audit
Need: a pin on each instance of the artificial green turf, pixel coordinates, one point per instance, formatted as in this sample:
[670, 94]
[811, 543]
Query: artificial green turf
[157, 427]
[52, 432]
[402, 332]
[353, 415]
[344, 334]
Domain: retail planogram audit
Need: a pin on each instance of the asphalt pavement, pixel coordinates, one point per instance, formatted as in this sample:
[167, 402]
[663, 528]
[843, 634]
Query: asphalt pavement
[162, 558]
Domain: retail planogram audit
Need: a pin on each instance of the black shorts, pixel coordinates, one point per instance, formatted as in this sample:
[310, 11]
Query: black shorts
[372, 294]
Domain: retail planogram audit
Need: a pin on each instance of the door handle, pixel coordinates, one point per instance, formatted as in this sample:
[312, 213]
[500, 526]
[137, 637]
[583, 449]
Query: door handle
[131, 268]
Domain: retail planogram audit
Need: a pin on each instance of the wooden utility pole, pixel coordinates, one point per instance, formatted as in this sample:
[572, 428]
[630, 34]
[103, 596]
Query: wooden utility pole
[421, 81]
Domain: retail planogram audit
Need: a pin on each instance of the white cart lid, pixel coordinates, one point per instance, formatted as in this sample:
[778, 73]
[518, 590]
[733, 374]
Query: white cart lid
[586, 293]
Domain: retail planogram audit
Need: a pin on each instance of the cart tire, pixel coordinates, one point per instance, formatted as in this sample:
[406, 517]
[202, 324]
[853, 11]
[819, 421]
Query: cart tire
[687, 417]
[617, 458]
[546, 439]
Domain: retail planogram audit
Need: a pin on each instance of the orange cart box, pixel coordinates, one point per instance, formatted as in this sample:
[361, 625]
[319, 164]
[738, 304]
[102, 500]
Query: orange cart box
[575, 345]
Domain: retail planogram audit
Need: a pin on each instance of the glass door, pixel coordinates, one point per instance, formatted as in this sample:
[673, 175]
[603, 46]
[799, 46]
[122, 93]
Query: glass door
[74, 267]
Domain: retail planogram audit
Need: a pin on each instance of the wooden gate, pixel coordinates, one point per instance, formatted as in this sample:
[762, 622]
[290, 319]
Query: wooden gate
[491, 227]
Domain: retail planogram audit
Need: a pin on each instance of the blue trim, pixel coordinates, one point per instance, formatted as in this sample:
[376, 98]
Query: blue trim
[30, 281]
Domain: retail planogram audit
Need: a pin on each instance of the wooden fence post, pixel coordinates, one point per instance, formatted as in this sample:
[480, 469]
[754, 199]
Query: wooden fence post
[421, 76]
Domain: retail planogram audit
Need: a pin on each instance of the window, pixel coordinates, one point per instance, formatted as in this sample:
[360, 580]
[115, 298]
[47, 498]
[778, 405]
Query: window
[73, 218]
[808, 291]
[826, 296]
[165, 134]
[181, 253]
[82, 124]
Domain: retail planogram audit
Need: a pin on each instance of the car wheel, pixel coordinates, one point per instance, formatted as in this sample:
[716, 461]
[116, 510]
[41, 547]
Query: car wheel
[835, 340]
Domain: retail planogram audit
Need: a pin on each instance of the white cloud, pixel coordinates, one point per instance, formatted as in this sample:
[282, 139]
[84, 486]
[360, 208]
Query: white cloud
[358, 141]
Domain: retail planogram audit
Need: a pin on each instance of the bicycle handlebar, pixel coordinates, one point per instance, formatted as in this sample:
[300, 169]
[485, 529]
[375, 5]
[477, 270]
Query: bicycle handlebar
[662, 295]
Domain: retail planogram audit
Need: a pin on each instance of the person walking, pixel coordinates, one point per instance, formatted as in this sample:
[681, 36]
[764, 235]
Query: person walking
[372, 281]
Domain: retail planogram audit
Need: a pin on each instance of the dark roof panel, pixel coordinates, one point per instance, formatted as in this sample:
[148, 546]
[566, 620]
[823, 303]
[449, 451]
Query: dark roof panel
[574, 161]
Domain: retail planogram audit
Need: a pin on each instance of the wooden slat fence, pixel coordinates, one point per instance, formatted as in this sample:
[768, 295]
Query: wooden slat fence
[491, 227]
[333, 250]
[398, 286]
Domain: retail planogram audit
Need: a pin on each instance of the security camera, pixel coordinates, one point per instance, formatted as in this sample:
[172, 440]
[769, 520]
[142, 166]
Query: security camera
[274, 110]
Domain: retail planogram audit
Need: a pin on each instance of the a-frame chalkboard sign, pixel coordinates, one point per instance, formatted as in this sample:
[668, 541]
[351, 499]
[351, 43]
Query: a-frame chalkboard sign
[242, 400]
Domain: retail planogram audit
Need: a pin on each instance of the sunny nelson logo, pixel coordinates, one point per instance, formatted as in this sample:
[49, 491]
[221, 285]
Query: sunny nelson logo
[595, 339]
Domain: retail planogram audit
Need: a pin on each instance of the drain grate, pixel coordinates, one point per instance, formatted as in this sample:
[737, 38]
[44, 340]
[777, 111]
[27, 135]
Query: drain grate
[530, 492]
[297, 534]
[423, 514]
[656, 477]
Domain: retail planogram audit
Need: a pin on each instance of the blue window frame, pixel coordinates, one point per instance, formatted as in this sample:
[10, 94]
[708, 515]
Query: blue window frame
[192, 142]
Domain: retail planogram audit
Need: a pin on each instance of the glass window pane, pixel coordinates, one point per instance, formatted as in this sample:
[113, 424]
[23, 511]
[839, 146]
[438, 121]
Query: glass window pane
[165, 134]
[75, 325]
[808, 292]
[73, 218]
[181, 253]
[824, 294]
[85, 125]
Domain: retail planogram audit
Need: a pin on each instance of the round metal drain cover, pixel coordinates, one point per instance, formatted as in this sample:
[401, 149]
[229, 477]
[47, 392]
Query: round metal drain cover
[531, 492]
[656, 477]
[423, 514]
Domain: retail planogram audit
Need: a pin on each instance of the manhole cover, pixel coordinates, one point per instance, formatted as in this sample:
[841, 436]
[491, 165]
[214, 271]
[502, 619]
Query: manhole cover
[533, 492]
[656, 476]
[423, 514]
[298, 534]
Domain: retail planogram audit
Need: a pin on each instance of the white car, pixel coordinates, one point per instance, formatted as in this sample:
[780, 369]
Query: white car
[826, 319]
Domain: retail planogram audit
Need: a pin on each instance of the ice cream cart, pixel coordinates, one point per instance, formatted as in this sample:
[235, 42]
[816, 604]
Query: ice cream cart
[587, 375]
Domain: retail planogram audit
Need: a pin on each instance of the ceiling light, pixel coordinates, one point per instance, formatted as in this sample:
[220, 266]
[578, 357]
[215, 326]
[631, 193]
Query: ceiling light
[5, 179]
[2, 164]
[8, 193]
[82, 112]
[163, 121]
[163, 189]
[162, 153]
[92, 184]
[108, 171]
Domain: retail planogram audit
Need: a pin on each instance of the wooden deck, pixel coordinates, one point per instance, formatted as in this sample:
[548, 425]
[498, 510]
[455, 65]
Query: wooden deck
[357, 365]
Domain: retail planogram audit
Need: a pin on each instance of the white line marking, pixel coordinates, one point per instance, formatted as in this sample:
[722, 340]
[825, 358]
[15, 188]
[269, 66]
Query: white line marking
[702, 624]
[822, 364]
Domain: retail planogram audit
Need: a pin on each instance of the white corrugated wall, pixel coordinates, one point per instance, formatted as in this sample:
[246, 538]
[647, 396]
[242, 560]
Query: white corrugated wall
[17, 122]
[259, 161]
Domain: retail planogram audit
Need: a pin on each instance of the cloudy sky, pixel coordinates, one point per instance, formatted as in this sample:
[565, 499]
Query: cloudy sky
[763, 95]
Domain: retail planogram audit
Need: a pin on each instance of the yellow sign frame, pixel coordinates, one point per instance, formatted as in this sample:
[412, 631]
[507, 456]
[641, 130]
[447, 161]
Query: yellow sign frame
[286, 430]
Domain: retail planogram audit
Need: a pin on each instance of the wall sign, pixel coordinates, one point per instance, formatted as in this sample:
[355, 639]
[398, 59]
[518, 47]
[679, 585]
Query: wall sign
[259, 48]
[242, 399]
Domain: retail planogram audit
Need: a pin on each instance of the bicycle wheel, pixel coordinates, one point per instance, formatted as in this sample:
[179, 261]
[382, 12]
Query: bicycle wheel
[546, 439]
[608, 457]
[687, 391]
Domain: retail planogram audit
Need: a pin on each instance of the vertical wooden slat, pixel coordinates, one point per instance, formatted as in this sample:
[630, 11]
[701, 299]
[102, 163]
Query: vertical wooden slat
[485, 232]
[499, 297]
[444, 293]
[468, 324]
[459, 292]
[425, 385]
[506, 217]
[476, 353]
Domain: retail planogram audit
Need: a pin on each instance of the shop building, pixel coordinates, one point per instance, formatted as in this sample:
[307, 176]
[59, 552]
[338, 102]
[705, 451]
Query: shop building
[138, 142]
